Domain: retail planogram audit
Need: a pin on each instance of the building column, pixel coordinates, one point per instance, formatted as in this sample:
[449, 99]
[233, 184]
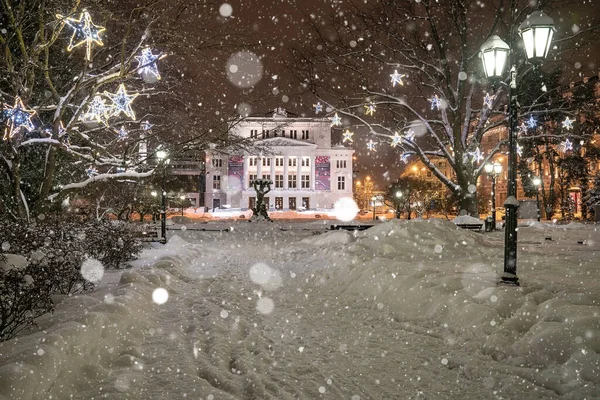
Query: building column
[286, 160]
[258, 167]
[273, 170]
[299, 173]
[312, 173]
[245, 174]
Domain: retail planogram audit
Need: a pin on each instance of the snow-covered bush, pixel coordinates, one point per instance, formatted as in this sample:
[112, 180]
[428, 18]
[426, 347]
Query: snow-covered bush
[110, 242]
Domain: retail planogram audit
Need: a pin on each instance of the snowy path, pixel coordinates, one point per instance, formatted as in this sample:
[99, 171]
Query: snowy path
[401, 311]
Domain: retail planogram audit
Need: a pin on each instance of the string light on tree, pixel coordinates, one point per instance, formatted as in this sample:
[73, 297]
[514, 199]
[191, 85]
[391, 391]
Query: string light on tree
[396, 139]
[371, 146]
[84, 32]
[409, 135]
[532, 122]
[318, 107]
[146, 126]
[122, 102]
[567, 124]
[17, 118]
[91, 171]
[397, 78]
[436, 102]
[336, 120]
[122, 132]
[519, 150]
[404, 157]
[347, 136]
[97, 111]
[148, 65]
[370, 109]
[522, 129]
[476, 155]
[567, 145]
[487, 100]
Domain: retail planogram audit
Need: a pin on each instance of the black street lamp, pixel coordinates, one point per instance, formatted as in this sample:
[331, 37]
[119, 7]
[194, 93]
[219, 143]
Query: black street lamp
[537, 31]
[162, 156]
[493, 170]
[537, 182]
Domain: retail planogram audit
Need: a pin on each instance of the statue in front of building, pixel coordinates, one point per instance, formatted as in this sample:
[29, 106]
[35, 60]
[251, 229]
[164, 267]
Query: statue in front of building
[262, 187]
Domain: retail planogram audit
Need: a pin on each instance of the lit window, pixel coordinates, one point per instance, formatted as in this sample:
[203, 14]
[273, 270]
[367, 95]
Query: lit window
[216, 181]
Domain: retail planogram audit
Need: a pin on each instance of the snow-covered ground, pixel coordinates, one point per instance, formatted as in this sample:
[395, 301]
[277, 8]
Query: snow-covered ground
[403, 310]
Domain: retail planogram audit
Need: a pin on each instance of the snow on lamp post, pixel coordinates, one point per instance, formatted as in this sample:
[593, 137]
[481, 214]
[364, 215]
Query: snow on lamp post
[537, 31]
[537, 182]
[493, 170]
[162, 157]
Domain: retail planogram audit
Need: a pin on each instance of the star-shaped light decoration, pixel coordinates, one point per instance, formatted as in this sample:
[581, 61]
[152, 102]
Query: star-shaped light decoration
[347, 136]
[97, 111]
[397, 78]
[148, 65]
[487, 100]
[436, 102]
[409, 135]
[476, 155]
[318, 107]
[519, 150]
[91, 171]
[122, 102]
[522, 129]
[17, 118]
[396, 139]
[404, 157]
[122, 132]
[84, 31]
[532, 122]
[146, 125]
[371, 146]
[370, 108]
[336, 120]
[567, 124]
[567, 145]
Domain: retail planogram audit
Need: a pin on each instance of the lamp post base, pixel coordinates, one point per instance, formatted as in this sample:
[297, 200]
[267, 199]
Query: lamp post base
[509, 279]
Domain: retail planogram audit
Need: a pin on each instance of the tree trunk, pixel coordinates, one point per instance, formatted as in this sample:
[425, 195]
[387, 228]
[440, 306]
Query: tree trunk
[48, 179]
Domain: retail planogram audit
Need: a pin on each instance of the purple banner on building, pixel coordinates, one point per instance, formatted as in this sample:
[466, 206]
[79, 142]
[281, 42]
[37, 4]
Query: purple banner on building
[322, 173]
[235, 172]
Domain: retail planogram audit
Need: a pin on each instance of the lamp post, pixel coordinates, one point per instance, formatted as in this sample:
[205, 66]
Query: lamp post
[493, 170]
[398, 197]
[162, 156]
[537, 31]
[182, 198]
[537, 182]
[374, 201]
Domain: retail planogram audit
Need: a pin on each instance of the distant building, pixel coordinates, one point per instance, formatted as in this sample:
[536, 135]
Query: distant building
[295, 153]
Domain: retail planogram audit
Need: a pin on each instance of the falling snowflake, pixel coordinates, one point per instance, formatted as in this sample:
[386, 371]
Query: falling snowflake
[371, 146]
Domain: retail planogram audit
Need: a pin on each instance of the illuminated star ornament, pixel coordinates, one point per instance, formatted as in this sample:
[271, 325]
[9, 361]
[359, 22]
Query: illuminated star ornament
[370, 109]
[522, 129]
[148, 65]
[371, 146]
[477, 155]
[97, 110]
[532, 122]
[122, 102]
[519, 150]
[318, 107]
[487, 100]
[336, 120]
[84, 31]
[91, 171]
[404, 157]
[409, 135]
[347, 136]
[396, 139]
[397, 78]
[567, 145]
[436, 102]
[146, 126]
[122, 132]
[16, 118]
[567, 124]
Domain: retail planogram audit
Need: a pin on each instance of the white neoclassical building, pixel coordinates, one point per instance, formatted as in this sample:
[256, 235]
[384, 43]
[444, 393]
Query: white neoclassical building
[295, 153]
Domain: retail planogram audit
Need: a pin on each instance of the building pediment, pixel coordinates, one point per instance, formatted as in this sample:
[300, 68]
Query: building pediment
[284, 142]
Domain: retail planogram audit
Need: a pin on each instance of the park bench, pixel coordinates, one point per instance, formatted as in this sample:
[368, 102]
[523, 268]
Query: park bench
[148, 236]
[349, 227]
[471, 227]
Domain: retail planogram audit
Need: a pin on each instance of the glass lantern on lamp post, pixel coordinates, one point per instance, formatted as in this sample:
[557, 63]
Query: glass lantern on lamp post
[536, 31]
[493, 170]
